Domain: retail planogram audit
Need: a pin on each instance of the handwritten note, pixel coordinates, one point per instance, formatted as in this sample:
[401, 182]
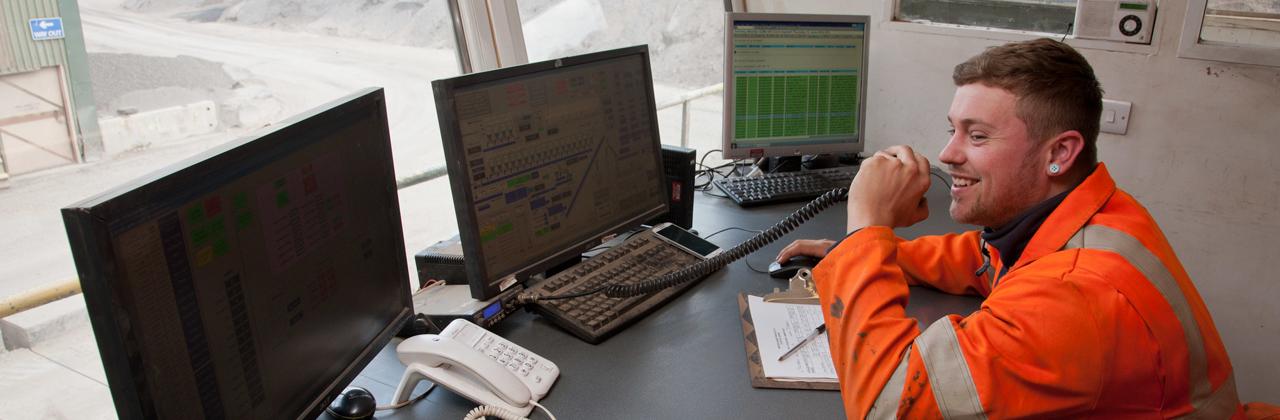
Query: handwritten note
[779, 327]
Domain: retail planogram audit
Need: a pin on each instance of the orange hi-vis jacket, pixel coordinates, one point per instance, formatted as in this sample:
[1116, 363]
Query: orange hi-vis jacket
[1097, 318]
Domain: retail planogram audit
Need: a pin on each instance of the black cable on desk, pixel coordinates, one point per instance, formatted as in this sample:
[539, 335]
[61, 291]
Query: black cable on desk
[747, 262]
[708, 192]
[731, 228]
[710, 173]
[753, 268]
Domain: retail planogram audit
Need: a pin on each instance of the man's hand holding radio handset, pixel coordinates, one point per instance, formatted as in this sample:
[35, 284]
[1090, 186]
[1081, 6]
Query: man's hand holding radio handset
[887, 191]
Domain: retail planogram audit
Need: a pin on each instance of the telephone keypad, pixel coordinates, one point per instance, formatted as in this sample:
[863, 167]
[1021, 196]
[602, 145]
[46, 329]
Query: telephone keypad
[534, 372]
[517, 360]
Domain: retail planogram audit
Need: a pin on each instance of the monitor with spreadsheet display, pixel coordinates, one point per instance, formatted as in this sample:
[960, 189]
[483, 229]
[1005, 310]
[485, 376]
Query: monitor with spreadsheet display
[794, 84]
[254, 280]
[546, 158]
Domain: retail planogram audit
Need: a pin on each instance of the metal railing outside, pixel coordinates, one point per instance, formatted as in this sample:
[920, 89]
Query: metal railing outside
[67, 288]
[683, 102]
[39, 296]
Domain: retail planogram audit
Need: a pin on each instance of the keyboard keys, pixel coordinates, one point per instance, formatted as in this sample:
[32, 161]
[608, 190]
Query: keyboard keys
[785, 186]
[595, 317]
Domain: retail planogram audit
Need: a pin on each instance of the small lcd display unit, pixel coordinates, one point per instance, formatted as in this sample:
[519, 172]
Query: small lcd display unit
[794, 84]
[255, 280]
[547, 158]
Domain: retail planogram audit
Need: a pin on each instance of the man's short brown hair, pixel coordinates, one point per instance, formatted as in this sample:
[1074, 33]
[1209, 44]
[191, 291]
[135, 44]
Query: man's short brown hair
[1055, 86]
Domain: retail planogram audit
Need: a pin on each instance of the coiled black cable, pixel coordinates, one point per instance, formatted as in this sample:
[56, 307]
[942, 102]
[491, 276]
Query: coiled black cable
[710, 265]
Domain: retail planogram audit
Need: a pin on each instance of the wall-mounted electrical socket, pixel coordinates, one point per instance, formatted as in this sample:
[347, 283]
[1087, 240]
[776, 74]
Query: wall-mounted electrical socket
[1115, 116]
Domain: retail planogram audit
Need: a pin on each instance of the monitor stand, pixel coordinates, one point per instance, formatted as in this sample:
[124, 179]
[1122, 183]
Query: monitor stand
[806, 162]
[820, 161]
[781, 164]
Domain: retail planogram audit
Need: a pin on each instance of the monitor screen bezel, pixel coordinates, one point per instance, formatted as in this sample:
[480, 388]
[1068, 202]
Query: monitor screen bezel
[90, 224]
[853, 144]
[485, 284]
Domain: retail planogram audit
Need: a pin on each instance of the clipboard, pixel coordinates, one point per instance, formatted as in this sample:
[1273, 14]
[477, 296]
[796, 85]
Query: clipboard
[755, 370]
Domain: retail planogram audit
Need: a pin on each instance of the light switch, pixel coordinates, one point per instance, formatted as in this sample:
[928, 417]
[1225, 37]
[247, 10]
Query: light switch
[1115, 116]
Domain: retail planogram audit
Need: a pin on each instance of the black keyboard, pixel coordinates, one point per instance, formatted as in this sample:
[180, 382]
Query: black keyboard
[786, 186]
[596, 317]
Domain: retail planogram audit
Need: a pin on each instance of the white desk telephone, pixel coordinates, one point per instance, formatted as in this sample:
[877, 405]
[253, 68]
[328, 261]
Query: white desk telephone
[476, 364]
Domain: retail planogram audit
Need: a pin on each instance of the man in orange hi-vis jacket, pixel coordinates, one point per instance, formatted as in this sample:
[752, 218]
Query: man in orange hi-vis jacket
[1087, 311]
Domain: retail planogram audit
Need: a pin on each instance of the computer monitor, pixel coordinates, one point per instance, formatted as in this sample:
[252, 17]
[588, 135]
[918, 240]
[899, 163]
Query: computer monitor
[547, 158]
[794, 84]
[255, 280]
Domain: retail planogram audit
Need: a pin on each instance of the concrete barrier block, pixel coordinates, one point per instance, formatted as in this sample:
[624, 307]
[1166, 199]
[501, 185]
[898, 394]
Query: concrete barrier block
[158, 126]
[25, 329]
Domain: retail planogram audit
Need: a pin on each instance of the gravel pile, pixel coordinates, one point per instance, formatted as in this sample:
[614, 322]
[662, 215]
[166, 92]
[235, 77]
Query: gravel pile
[128, 83]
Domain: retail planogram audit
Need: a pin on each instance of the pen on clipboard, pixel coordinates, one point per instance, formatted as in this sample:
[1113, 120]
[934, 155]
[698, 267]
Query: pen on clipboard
[816, 332]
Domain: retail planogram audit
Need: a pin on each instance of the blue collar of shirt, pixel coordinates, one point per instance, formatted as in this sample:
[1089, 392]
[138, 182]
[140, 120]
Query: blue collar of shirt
[1012, 238]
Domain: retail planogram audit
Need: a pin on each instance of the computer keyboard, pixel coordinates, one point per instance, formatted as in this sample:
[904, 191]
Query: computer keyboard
[596, 317]
[786, 186]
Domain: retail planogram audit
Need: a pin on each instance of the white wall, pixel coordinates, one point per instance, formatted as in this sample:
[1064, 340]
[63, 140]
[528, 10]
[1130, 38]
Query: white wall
[1201, 154]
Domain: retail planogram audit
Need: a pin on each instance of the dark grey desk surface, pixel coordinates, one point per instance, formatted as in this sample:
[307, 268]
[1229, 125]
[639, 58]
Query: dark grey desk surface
[686, 359]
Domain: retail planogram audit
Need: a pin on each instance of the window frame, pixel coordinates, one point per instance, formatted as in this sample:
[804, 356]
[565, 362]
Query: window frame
[1191, 46]
[510, 13]
[488, 34]
[889, 21]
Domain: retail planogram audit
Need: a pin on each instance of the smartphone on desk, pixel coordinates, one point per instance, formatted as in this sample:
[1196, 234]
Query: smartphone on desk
[683, 239]
[477, 364]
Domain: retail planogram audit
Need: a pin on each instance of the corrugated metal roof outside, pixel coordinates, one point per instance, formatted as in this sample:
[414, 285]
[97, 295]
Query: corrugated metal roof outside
[24, 54]
[6, 58]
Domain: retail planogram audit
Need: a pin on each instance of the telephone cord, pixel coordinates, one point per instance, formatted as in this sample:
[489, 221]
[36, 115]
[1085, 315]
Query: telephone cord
[710, 265]
[707, 266]
[502, 413]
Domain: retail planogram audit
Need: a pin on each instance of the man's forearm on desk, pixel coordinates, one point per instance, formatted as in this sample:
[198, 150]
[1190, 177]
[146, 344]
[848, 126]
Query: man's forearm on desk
[863, 293]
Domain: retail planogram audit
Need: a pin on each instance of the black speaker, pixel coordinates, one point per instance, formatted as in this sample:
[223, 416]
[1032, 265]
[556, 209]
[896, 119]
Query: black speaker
[678, 163]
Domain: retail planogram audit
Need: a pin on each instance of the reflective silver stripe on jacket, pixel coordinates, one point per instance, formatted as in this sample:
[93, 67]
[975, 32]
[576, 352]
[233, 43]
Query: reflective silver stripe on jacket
[886, 405]
[949, 374]
[1207, 404]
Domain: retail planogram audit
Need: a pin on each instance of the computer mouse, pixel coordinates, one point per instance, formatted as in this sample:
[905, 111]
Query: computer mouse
[355, 403]
[788, 269]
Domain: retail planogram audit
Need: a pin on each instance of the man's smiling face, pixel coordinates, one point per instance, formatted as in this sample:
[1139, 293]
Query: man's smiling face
[997, 171]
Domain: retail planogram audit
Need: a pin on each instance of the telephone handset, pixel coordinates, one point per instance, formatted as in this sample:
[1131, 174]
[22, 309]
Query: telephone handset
[478, 365]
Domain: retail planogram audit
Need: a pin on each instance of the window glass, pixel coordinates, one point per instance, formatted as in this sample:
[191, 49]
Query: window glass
[261, 61]
[1242, 22]
[1047, 16]
[171, 78]
[686, 48]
